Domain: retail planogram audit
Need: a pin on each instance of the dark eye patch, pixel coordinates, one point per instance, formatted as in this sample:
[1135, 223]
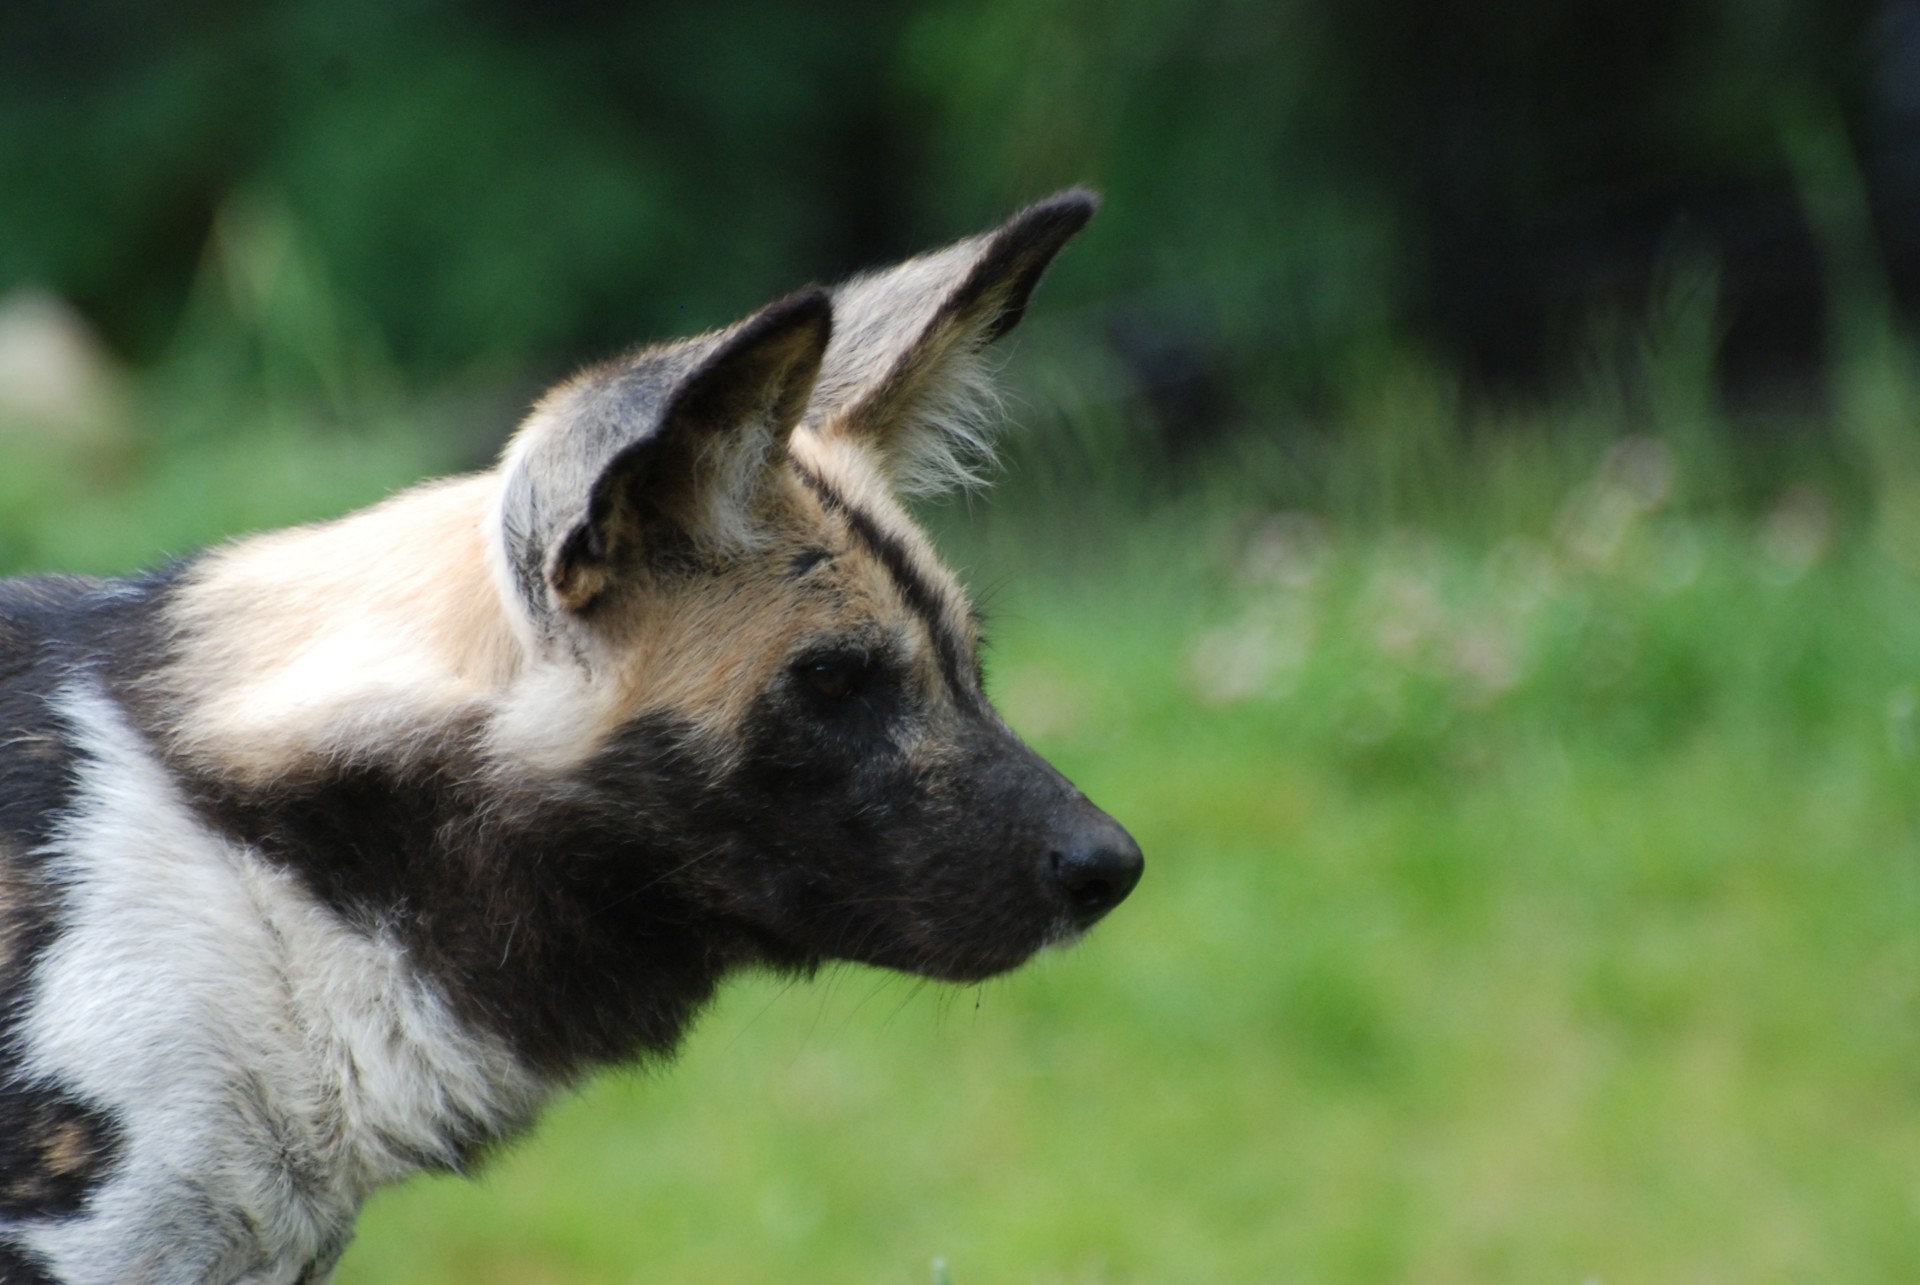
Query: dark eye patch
[836, 675]
[837, 678]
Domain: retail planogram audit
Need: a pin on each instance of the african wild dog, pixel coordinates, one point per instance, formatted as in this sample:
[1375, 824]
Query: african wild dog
[326, 856]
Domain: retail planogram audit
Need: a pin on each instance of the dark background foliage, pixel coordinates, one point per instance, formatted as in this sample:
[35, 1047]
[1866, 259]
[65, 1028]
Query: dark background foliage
[1292, 187]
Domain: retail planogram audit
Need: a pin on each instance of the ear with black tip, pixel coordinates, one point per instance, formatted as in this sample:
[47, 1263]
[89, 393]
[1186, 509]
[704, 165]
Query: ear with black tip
[904, 376]
[716, 440]
[993, 298]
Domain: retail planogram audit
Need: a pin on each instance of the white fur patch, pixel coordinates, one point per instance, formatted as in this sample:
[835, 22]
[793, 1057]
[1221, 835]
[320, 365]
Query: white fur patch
[269, 1064]
[553, 718]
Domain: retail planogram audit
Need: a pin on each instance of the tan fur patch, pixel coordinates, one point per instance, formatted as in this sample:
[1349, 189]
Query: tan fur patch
[310, 644]
[705, 651]
[27, 1190]
[56, 1150]
[853, 472]
[67, 1150]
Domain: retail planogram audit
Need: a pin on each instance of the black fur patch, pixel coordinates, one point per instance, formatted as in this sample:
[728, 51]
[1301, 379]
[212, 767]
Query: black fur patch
[29, 909]
[53, 1151]
[16, 1268]
[886, 859]
[39, 621]
[54, 630]
[554, 923]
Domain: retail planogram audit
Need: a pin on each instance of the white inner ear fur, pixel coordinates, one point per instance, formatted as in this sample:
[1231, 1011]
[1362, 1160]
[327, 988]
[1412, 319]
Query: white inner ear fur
[735, 467]
[944, 436]
[947, 439]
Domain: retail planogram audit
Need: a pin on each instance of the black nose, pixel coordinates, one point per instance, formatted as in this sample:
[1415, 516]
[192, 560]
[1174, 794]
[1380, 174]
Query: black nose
[1097, 866]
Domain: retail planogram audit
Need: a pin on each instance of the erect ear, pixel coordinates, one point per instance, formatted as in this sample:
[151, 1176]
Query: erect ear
[904, 376]
[680, 440]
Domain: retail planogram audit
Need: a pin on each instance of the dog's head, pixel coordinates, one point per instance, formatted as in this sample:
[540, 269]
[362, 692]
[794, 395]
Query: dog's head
[705, 544]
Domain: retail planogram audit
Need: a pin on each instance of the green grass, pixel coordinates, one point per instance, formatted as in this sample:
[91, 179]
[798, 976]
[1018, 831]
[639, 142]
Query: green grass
[1528, 900]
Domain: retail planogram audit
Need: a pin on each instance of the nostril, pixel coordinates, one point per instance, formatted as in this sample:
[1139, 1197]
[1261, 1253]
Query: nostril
[1086, 888]
[1097, 875]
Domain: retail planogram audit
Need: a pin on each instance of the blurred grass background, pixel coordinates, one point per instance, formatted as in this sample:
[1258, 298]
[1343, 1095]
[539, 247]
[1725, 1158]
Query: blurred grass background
[1464, 520]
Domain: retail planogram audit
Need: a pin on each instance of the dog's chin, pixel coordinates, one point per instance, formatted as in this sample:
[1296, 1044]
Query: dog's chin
[966, 964]
[963, 972]
[964, 961]
[760, 947]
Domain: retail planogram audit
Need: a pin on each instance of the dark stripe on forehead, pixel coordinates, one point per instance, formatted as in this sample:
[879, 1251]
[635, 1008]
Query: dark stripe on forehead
[920, 595]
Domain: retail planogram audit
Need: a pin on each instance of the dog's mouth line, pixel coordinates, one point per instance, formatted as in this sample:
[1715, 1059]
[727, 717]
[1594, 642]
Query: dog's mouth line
[937, 947]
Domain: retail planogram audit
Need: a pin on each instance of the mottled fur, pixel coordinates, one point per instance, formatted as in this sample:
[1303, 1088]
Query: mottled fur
[326, 856]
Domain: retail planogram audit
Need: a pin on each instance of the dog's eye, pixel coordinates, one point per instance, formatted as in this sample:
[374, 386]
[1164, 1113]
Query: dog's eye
[831, 679]
[836, 677]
